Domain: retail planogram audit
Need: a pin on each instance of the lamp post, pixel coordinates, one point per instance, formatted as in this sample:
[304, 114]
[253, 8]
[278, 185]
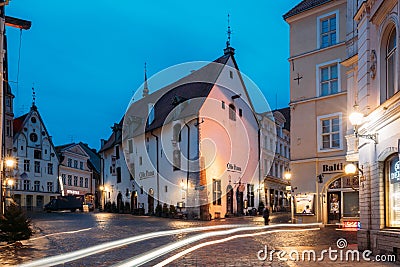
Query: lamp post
[6, 181]
[356, 119]
[102, 200]
[288, 177]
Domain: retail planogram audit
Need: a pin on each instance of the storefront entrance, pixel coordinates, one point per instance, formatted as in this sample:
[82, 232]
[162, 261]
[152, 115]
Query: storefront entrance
[229, 200]
[342, 200]
[334, 211]
[150, 201]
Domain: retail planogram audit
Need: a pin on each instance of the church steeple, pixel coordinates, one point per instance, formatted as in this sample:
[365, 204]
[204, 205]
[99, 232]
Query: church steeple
[33, 98]
[145, 86]
[229, 49]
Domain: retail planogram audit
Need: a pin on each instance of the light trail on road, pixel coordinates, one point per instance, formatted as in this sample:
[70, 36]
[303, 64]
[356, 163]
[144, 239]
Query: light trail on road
[75, 255]
[61, 233]
[156, 253]
[182, 253]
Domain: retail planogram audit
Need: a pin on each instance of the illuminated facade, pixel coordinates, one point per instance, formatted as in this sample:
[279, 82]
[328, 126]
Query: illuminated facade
[373, 86]
[36, 178]
[76, 175]
[318, 102]
[198, 150]
[275, 157]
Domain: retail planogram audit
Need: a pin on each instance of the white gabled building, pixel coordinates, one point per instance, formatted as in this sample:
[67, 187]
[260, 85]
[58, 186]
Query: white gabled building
[206, 117]
[36, 177]
[117, 184]
[275, 157]
[76, 175]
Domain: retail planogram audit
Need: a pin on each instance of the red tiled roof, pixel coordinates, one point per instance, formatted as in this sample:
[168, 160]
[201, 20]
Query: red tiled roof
[304, 6]
[18, 123]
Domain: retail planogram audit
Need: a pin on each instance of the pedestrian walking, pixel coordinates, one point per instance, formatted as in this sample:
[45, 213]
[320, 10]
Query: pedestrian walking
[266, 216]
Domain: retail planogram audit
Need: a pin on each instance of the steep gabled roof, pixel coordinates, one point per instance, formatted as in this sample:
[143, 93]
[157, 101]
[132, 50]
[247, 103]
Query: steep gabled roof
[94, 157]
[62, 147]
[304, 6]
[286, 113]
[167, 98]
[21, 121]
[18, 123]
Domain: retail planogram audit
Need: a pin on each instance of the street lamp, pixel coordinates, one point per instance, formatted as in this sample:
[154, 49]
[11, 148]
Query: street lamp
[5, 180]
[352, 169]
[356, 119]
[288, 177]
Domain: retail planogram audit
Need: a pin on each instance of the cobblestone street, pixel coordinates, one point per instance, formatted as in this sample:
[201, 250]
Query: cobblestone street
[59, 233]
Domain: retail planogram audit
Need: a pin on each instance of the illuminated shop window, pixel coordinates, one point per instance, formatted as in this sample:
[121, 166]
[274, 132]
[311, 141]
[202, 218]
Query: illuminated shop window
[393, 191]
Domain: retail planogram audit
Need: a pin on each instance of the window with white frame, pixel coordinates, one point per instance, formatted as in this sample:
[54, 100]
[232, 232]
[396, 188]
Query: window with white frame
[250, 195]
[217, 193]
[49, 186]
[37, 166]
[36, 185]
[328, 79]
[327, 29]
[329, 131]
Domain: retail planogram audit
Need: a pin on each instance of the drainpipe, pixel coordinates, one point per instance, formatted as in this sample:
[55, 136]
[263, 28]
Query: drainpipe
[158, 169]
[188, 161]
[259, 166]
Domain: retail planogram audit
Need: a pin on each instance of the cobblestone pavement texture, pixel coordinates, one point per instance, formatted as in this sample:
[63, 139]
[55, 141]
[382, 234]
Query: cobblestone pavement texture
[58, 233]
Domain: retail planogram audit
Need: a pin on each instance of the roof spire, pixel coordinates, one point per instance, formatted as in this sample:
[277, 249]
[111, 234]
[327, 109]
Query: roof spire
[229, 32]
[33, 96]
[229, 49]
[145, 86]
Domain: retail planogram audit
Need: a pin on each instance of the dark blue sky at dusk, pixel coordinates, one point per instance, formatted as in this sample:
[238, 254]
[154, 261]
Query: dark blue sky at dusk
[86, 58]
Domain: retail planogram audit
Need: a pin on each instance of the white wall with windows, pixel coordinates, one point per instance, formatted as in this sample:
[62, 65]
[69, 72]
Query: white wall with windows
[37, 174]
[76, 177]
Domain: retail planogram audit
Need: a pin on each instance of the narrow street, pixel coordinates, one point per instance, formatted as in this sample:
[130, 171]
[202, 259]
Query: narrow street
[148, 241]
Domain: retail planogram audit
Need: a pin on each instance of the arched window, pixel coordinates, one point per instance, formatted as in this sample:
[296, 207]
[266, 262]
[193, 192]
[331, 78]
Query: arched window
[391, 64]
[232, 112]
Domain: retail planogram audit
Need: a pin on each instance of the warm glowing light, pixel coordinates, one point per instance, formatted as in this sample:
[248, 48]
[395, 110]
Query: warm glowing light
[182, 184]
[288, 175]
[101, 187]
[106, 188]
[350, 168]
[10, 182]
[10, 163]
[356, 118]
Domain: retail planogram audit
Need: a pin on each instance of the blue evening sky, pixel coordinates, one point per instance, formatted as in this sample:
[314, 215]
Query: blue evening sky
[86, 58]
